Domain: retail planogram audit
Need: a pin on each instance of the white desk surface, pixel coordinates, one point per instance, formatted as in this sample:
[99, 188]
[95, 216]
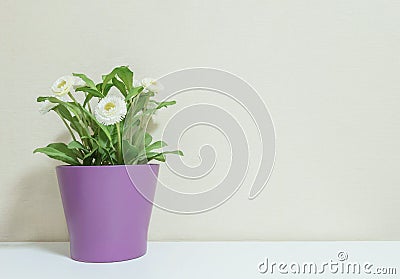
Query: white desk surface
[195, 260]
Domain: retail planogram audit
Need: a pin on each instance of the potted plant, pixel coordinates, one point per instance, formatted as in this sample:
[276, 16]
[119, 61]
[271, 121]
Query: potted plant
[107, 162]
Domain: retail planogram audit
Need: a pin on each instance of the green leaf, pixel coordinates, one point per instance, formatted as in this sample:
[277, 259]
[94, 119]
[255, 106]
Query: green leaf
[107, 89]
[62, 147]
[107, 78]
[133, 92]
[165, 104]
[98, 124]
[102, 144]
[58, 155]
[50, 99]
[130, 152]
[123, 73]
[139, 104]
[102, 156]
[77, 109]
[87, 80]
[76, 145]
[90, 153]
[98, 86]
[154, 155]
[147, 139]
[55, 100]
[76, 125]
[64, 112]
[156, 145]
[87, 99]
[177, 152]
[103, 139]
[91, 91]
[120, 85]
[160, 158]
[126, 76]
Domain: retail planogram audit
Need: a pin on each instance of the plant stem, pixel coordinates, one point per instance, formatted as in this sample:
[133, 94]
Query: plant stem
[79, 105]
[66, 124]
[81, 120]
[72, 98]
[119, 149]
[88, 104]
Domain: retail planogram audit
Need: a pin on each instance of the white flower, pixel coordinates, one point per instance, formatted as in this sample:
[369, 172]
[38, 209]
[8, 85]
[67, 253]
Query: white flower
[137, 83]
[62, 86]
[152, 85]
[110, 110]
[46, 106]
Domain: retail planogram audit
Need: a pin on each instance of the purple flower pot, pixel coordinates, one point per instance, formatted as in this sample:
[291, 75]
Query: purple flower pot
[107, 217]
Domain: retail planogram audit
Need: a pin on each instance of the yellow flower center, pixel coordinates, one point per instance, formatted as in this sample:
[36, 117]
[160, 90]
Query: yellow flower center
[109, 106]
[61, 84]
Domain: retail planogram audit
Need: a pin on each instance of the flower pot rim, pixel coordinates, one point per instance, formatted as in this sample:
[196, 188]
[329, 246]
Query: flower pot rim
[106, 166]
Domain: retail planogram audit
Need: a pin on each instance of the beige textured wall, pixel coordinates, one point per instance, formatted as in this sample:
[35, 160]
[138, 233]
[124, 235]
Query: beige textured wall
[328, 70]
